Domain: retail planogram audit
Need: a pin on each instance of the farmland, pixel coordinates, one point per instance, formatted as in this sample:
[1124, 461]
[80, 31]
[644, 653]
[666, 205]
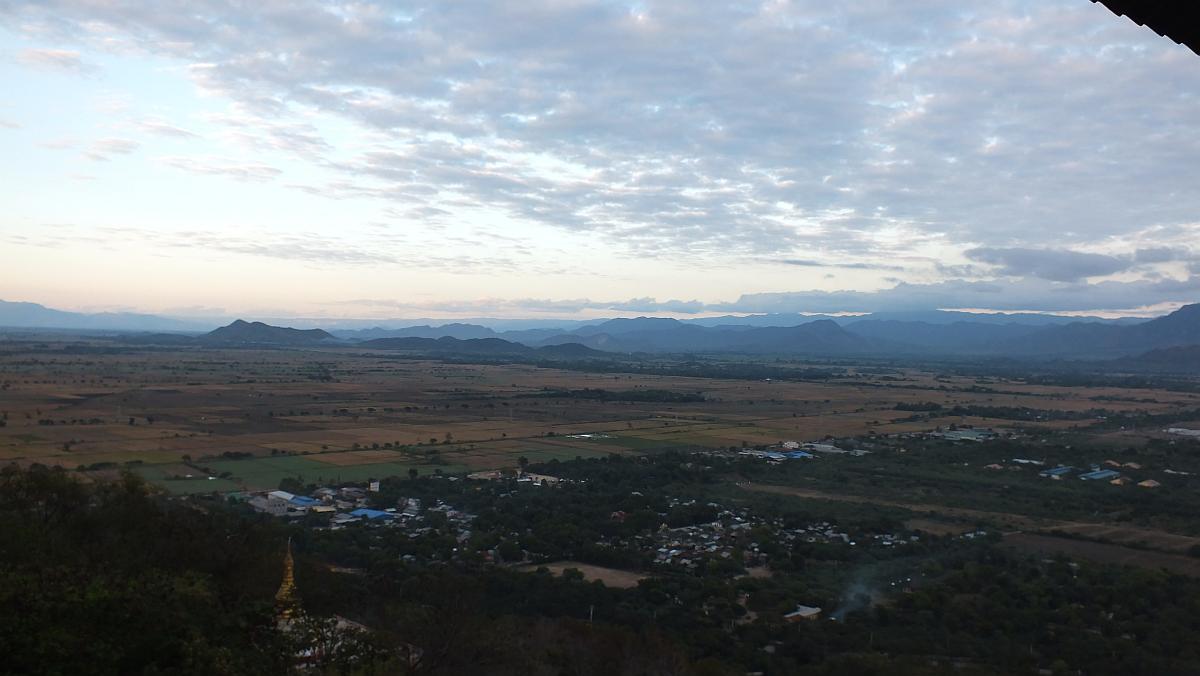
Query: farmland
[249, 418]
[611, 577]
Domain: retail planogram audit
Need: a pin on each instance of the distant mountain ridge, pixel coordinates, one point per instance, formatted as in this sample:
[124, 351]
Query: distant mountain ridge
[35, 316]
[241, 332]
[1179, 328]
[480, 347]
[821, 337]
[916, 334]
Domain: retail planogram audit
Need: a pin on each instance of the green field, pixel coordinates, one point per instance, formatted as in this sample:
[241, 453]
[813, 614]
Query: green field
[263, 473]
[159, 474]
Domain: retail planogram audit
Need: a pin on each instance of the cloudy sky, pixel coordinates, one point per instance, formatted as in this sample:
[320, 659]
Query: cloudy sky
[575, 158]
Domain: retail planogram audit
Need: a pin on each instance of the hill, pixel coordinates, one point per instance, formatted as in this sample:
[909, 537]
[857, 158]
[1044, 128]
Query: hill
[495, 347]
[241, 332]
[35, 316]
[965, 337]
[1082, 339]
[448, 345]
[456, 330]
[1184, 358]
[821, 337]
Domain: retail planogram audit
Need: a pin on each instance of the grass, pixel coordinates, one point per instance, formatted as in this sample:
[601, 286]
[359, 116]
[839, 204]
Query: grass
[160, 475]
[264, 473]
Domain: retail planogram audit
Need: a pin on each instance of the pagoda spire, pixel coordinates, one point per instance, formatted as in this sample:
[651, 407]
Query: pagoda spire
[287, 601]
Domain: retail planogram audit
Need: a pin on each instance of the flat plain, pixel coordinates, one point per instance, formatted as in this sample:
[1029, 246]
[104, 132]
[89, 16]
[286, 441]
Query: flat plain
[251, 417]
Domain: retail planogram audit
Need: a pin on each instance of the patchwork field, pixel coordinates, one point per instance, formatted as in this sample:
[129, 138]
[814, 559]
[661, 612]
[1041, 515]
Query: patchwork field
[250, 418]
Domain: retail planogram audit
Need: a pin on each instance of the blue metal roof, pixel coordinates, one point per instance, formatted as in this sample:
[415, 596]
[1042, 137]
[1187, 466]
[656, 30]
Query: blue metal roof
[1100, 474]
[365, 513]
[1056, 471]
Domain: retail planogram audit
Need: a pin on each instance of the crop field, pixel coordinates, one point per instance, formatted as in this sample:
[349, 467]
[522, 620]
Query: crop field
[249, 418]
[1047, 545]
[611, 577]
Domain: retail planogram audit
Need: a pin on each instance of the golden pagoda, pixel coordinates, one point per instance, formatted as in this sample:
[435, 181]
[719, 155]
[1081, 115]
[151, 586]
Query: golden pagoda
[287, 602]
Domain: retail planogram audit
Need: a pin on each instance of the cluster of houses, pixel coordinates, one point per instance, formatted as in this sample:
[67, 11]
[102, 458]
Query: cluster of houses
[345, 506]
[1109, 470]
[975, 434]
[690, 546]
[322, 501]
[795, 450]
[521, 476]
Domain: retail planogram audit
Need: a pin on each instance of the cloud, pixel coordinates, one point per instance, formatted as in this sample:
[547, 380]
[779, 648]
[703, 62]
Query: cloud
[810, 263]
[326, 250]
[105, 148]
[163, 128]
[217, 166]
[1048, 141]
[1003, 295]
[1165, 255]
[55, 59]
[654, 306]
[764, 130]
[1052, 264]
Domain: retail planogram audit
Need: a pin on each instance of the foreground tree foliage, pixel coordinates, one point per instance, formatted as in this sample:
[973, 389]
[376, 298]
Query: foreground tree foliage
[101, 579]
[110, 578]
[113, 578]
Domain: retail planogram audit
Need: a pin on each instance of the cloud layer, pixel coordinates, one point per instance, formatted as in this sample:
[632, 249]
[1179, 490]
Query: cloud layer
[997, 154]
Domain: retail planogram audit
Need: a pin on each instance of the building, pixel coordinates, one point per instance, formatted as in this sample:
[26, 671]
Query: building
[303, 503]
[1149, 483]
[803, 613]
[1100, 475]
[410, 507]
[269, 505]
[539, 479]
[1060, 471]
[371, 514]
[969, 434]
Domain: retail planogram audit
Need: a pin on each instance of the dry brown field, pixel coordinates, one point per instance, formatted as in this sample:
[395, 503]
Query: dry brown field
[99, 408]
[611, 577]
[1119, 535]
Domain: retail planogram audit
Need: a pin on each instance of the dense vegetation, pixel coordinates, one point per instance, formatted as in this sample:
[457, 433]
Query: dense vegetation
[111, 578]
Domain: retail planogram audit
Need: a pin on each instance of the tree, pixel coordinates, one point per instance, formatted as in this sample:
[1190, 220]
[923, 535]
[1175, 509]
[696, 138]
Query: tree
[291, 485]
[412, 472]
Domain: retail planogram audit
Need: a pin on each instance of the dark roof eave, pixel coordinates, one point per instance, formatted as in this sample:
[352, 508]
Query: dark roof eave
[1174, 19]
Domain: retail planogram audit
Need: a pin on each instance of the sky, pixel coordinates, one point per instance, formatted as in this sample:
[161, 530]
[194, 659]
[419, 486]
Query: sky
[567, 158]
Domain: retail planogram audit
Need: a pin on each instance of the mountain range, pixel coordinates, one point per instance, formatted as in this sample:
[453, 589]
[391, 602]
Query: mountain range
[35, 316]
[931, 333]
